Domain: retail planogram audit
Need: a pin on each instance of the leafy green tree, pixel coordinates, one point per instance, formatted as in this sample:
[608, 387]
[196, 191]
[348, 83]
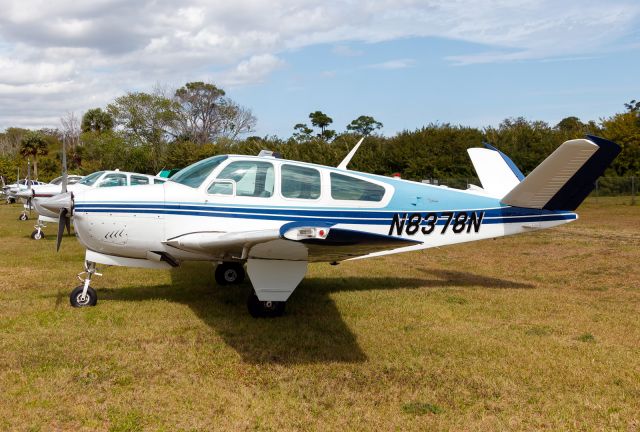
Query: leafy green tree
[204, 114]
[33, 145]
[364, 125]
[146, 120]
[321, 121]
[96, 120]
[302, 132]
[624, 129]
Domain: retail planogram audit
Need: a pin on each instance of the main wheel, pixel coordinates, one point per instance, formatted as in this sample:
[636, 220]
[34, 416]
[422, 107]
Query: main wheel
[11, 200]
[229, 273]
[23, 217]
[264, 309]
[78, 301]
[37, 235]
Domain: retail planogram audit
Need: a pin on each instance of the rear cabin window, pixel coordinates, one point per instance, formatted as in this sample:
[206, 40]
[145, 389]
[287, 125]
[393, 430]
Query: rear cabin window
[300, 182]
[252, 179]
[350, 188]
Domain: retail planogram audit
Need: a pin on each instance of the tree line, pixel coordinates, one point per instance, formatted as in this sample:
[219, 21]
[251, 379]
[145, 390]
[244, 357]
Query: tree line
[145, 132]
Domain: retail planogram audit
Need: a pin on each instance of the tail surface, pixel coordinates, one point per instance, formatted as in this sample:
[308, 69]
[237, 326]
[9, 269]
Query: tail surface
[565, 178]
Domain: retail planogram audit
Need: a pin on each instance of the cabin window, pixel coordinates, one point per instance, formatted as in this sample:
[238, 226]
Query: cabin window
[111, 180]
[251, 178]
[350, 188]
[158, 181]
[195, 174]
[300, 182]
[139, 180]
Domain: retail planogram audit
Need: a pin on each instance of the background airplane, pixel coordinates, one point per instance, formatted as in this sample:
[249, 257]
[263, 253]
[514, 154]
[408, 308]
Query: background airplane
[275, 215]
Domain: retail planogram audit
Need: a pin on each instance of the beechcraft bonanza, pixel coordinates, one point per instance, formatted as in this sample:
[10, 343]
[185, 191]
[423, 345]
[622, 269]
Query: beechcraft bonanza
[274, 216]
[99, 179]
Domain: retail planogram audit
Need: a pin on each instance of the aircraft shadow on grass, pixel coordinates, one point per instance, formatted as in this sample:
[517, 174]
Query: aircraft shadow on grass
[312, 330]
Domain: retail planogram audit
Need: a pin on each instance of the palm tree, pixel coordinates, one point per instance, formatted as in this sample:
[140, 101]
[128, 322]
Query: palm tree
[33, 145]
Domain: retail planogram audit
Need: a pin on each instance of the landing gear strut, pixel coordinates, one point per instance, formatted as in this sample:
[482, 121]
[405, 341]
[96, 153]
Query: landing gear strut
[83, 295]
[228, 273]
[264, 309]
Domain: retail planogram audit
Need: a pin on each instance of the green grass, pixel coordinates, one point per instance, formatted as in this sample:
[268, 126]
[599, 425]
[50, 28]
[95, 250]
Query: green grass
[532, 332]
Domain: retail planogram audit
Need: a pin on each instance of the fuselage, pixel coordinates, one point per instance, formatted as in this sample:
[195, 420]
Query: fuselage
[246, 193]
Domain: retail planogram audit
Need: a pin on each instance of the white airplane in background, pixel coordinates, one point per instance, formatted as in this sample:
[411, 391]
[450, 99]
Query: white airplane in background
[99, 179]
[275, 215]
[29, 191]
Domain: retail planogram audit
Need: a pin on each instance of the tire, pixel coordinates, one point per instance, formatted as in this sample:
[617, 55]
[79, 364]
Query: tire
[37, 235]
[262, 309]
[23, 217]
[91, 300]
[229, 273]
[11, 200]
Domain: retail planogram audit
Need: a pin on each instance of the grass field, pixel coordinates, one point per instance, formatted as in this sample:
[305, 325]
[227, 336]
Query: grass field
[538, 331]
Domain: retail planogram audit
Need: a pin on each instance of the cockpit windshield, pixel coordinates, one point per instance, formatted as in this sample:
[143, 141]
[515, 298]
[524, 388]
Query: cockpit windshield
[195, 174]
[91, 178]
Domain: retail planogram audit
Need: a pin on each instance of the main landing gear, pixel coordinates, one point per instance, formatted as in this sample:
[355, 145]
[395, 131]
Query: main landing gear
[232, 273]
[264, 309]
[229, 273]
[83, 295]
[23, 216]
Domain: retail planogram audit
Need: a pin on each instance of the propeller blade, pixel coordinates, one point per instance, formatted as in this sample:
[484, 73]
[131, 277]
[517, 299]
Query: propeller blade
[29, 204]
[29, 174]
[67, 223]
[62, 222]
[64, 166]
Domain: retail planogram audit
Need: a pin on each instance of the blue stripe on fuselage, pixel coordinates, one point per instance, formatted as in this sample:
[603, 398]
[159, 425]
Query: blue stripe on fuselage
[382, 217]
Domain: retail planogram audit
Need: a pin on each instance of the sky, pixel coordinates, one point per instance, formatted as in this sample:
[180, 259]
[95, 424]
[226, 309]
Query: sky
[407, 63]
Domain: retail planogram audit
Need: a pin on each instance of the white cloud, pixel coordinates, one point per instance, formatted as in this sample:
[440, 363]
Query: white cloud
[75, 55]
[393, 64]
[250, 71]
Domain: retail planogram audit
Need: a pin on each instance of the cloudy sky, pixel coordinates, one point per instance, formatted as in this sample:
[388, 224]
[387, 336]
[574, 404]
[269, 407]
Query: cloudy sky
[406, 62]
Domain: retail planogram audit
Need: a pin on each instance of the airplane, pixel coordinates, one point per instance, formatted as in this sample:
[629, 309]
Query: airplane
[274, 216]
[48, 189]
[98, 179]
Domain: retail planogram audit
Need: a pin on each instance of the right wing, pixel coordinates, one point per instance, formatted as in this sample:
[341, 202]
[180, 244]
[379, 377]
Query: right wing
[295, 240]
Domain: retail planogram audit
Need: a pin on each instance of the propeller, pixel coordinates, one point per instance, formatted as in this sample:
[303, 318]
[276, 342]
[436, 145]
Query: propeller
[29, 185]
[63, 205]
[64, 167]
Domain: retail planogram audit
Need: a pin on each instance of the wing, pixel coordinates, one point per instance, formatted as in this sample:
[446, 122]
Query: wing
[293, 241]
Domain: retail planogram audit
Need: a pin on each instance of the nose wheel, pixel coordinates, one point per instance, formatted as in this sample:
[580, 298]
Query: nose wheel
[83, 295]
[229, 273]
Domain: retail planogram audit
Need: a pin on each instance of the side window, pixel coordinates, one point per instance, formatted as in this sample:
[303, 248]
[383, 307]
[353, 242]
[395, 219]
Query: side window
[139, 180]
[252, 179]
[111, 180]
[300, 182]
[158, 181]
[350, 188]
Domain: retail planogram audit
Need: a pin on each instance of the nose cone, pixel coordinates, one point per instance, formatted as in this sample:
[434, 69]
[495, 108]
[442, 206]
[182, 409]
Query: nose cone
[58, 202]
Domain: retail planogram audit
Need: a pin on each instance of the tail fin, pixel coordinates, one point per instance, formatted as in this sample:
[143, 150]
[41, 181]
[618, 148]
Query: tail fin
[565, 178]
[498, 174]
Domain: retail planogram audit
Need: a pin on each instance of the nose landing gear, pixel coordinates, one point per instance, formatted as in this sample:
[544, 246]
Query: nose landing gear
[83, 295]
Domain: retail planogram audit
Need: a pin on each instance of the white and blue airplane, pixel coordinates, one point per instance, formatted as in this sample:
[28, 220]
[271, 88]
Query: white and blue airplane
[274, 216]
